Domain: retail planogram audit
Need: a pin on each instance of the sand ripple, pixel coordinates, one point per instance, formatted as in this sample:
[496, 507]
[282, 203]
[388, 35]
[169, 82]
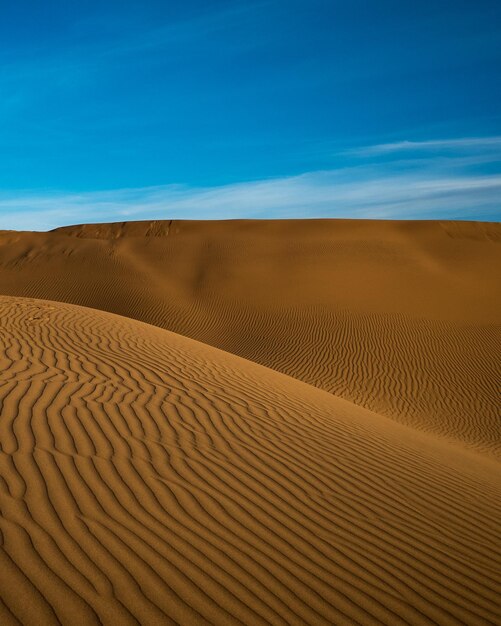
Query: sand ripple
[146, 478]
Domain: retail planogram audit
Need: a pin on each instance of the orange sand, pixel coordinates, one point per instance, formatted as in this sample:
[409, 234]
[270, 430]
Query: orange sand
[149, 478]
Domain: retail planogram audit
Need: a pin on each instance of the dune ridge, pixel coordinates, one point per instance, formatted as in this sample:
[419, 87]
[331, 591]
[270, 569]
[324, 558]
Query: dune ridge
[399, 317]
[149, 478]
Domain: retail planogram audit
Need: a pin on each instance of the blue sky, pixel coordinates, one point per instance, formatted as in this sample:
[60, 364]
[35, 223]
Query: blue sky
[268, 108]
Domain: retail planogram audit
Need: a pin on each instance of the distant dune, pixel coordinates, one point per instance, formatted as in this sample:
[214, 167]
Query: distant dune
[399, 317]
[147, 478]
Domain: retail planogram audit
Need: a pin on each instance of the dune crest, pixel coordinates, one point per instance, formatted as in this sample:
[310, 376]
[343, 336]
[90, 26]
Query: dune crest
[148, 478]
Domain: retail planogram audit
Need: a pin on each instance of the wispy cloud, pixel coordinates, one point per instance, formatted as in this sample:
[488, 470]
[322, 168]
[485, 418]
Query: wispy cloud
[426, 189]
[433, 145]
[316, 194]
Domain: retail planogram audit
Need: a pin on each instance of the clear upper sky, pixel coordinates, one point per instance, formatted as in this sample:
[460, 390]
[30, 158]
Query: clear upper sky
[131, 109]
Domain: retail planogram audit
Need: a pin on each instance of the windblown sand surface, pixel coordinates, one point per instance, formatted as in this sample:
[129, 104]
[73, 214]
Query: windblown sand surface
[399, 317]
[149, 478]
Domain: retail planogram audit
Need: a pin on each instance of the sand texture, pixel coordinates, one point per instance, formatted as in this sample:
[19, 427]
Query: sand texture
[346, 470]
[399, 317]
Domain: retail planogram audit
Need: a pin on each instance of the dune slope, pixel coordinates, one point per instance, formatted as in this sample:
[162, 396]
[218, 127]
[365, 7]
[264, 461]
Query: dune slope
[399, 317]
[147, 478]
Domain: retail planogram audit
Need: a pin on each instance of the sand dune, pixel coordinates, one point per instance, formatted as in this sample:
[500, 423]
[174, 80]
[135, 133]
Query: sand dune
[399, 317]
[149, 478]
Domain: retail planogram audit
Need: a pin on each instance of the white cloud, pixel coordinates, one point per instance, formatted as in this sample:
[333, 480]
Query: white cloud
[461, 144]
[342, 193]
[417, 188]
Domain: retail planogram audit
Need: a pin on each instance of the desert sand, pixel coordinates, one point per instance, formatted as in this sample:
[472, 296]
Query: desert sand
[289, 422]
